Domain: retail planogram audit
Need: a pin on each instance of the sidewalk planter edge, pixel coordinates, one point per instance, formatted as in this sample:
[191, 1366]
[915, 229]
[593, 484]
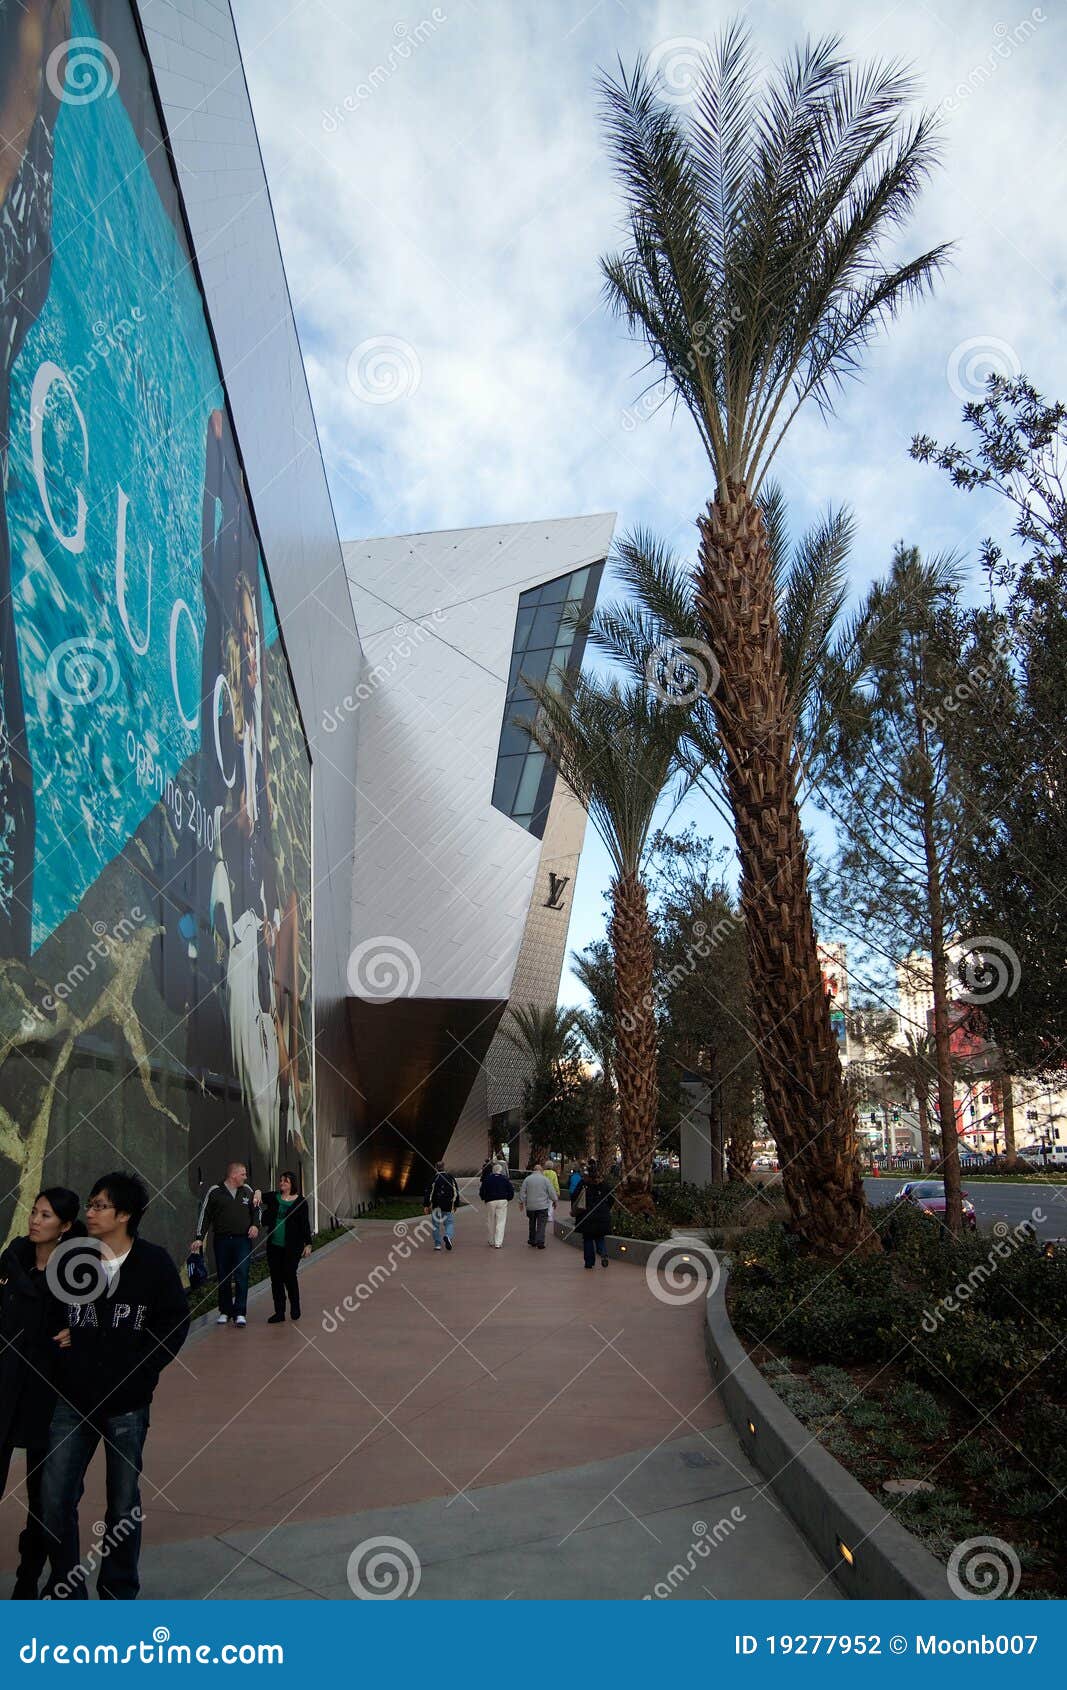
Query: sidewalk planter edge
[832, 1509]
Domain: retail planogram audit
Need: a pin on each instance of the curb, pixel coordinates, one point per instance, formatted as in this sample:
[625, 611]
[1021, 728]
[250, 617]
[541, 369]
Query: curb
[833, 1510]
[884, 1561]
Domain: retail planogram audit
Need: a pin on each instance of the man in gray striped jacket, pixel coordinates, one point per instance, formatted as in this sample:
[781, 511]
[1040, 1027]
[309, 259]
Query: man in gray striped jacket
[229, 1211]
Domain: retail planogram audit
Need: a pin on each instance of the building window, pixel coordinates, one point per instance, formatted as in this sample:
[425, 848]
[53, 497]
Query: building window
[546, 645]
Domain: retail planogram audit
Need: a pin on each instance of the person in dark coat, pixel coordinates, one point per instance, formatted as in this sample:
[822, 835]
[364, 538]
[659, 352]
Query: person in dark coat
[287, 1225]
[594, 1196]
[496, 1192]
[33, 1329]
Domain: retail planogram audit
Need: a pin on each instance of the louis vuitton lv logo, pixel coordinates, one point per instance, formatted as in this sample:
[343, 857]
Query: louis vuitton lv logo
[556, 885]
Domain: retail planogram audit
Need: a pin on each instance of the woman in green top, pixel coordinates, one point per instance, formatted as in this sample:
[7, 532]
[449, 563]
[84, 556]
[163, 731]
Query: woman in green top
[288, 1228]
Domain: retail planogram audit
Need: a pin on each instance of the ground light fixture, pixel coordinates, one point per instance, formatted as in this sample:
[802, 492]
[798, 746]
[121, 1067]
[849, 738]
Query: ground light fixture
[845, 1552]
[752, 1427]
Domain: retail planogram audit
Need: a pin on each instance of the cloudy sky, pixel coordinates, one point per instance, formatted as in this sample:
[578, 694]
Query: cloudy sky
[441, 186]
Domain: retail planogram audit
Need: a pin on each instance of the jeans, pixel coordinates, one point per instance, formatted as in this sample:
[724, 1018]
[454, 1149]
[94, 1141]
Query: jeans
[442, 1222]
[496, 1219]
[233, 1253]
[283, 1266]
[33, 1540]
[592, 1248]
[71, 1447]
[537, 1219]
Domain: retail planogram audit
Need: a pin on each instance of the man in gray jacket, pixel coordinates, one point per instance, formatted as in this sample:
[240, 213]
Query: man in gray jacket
[536, 1198]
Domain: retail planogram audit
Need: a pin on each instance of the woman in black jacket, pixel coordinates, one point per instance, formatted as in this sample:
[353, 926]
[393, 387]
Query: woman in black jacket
[287, 1225]
[32, 1330]
[594, 1198]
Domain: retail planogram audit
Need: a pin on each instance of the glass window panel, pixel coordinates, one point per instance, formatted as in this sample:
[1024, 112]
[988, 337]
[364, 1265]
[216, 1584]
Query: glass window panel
[554, 592]
[508, 771]
[526, 795]
[514, 739]
[523, 623]
[546, 625]
[578, 583]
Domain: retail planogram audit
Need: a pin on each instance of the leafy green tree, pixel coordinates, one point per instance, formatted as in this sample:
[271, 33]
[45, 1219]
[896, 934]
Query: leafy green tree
[755, 271]
[1016, 754]
[892, 780]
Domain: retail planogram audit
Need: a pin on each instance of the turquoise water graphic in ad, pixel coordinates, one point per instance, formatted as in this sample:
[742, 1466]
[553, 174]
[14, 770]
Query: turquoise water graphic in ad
[124, 324]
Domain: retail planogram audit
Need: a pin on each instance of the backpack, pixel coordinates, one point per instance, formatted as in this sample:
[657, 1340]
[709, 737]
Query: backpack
[443, 1194]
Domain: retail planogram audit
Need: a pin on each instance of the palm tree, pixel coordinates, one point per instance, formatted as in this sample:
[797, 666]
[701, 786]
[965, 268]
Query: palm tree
[755, 274]
[656, 631]
[548, 1041]
[617, 749]
[912, 1069]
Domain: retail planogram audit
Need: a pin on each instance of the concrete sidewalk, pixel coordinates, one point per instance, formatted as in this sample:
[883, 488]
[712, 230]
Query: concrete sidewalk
[525, 1427]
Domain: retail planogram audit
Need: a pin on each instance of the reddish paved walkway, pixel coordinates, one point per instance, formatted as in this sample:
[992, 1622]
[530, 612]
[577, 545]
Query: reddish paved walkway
[456, 1370]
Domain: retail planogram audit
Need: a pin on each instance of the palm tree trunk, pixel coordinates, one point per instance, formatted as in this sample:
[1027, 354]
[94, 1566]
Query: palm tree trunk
[809, 1111]
[946, 1093]
[1007, 1110]
[630, 933]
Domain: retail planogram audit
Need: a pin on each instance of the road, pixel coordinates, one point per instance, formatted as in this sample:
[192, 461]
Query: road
[1012, 1202]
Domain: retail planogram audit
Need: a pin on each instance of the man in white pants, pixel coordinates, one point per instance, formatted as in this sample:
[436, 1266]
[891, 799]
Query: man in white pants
[496, 1192]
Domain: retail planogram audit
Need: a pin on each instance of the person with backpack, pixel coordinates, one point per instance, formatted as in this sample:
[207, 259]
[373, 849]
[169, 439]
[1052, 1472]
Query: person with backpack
[33, 1330]
[127, 1319]
[287, 1224]
[440, 1203]
[592, 1203]
[229, 1210]
[496, 1192]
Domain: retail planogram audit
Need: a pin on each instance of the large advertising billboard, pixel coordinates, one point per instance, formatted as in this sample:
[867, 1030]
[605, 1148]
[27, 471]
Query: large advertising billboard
[155, 785]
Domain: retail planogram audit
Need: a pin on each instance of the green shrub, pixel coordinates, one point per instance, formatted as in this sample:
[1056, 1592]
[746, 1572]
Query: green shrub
[918, 1409]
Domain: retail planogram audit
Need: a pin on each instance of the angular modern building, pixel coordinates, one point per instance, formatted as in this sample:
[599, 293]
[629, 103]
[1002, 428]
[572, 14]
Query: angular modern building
[466, 844]
[202, 844]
